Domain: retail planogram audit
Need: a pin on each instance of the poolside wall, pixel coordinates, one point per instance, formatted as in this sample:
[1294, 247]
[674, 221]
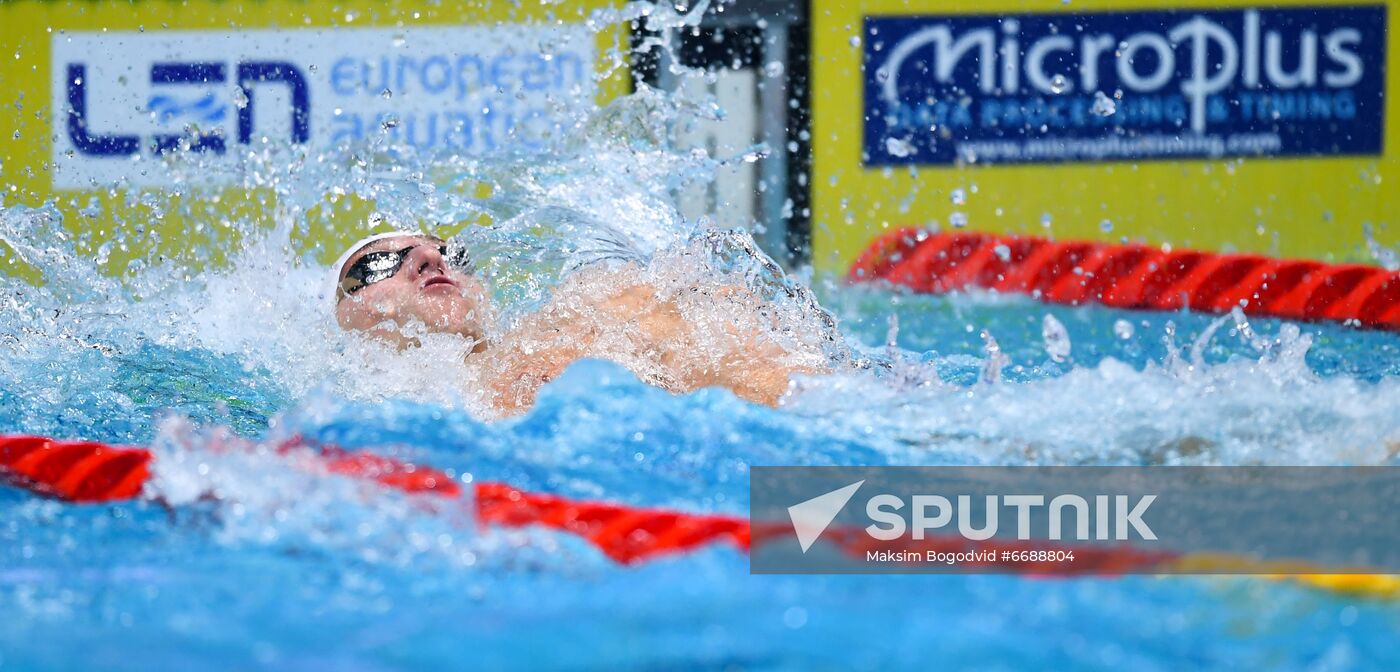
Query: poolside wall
[157, 74]
[1299, 167]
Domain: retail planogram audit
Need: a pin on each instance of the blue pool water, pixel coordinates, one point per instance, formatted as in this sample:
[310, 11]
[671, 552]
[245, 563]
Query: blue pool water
[305, 572]
[225, 344]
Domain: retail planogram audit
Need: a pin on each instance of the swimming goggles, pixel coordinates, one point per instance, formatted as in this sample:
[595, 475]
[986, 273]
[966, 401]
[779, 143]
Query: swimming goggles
[380, 266]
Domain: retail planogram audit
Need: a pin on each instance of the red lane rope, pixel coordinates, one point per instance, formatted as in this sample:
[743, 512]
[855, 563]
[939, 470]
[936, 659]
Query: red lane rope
[74, 471]
[386, 471]
[91, 472]
[1133, 276]
[624, 533]
[84, 472]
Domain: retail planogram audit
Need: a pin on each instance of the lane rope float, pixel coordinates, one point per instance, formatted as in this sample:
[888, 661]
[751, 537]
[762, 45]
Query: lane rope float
[1133, 276]
[87, 472]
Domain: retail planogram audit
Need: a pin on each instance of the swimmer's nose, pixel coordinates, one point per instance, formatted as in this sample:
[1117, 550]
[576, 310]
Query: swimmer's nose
[423, 259]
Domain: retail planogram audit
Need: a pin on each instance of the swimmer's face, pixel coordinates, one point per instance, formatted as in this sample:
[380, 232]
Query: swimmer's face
[425, 289]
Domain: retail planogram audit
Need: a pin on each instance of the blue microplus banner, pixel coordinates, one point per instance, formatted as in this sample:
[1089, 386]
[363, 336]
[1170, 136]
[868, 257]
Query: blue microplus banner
[1127, 85]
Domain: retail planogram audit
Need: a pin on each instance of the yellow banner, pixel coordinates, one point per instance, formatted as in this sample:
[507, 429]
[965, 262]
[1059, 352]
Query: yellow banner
[1227, 126]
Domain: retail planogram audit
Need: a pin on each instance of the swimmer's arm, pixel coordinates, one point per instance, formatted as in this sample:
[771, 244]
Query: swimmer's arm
[729, 351]
[755, 368]
[532, 353]
[516, 374]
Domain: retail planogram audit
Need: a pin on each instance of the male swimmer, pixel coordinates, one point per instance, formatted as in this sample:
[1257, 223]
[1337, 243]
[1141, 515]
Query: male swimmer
[680, 338]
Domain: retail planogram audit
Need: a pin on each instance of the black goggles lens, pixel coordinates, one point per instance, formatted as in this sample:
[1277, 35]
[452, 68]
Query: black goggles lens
[380, 266]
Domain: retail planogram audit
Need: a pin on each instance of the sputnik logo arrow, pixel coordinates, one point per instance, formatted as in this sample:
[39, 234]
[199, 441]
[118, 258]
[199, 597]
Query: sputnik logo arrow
[812, 517]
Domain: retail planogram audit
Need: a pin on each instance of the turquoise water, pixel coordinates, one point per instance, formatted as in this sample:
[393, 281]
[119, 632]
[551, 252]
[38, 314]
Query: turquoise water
[288, 570]
[305, 572]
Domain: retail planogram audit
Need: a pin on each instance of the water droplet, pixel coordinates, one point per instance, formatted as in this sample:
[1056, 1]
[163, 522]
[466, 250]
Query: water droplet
[855, 40]
[399, 40]
[958, 220]
[240, 97]
[93, 209]
[774, 69]
[386, 94]
[1123, 329]
[1003, 252]
[996, 359]
[16, 134]
[899, 147]
[1387, 256]
[1106, 226]
[1056, 338]
[958, 196]
[1103, 105]
[1058, 84]
[1046, 220]
[388, 122]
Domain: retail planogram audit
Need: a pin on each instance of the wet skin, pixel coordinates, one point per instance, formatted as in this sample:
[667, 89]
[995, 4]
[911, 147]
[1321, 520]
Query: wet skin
[598, 313]
[425, 289]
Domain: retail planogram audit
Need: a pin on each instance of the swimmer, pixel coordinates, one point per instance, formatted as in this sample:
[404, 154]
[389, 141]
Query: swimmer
[678, 338]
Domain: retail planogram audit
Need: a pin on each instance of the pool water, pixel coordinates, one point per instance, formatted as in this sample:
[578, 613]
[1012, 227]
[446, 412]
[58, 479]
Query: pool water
[282, 569]
[303, 572]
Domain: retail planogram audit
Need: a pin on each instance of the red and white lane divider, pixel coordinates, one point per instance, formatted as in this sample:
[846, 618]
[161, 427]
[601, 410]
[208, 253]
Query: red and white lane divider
[1133, 276]
[85, 472]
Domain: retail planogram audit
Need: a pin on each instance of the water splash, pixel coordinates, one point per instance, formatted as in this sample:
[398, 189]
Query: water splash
[1388, 257]
[241, 308]
[996, 360]
[1056, 338]
[1236, 396]
[250, 494]
[1103, 105]
[214, 346]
